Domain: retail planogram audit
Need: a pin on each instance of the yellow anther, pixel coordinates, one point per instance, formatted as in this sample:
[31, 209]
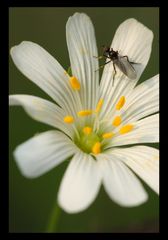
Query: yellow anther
[127, 128]
[68, 119]
[120, 103]
[87, 130]
[96, 148]
[84, 113]
[75, 84]
[99, 105]
[108, 135]
[117, 121]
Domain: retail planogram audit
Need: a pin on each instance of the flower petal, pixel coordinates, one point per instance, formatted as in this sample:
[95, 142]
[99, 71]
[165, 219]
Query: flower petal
[41, 68]
[144, 131]
[42, 110]
[82, 49]
[120, 183]
[43, 152]
[80, 184]
[134, 40]
[143, 101]
[143, 160]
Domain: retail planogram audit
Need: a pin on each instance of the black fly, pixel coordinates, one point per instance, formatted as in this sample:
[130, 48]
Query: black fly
[122, 62]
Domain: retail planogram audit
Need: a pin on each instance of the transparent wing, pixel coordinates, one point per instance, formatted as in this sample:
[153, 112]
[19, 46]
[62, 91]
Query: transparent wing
[126, 67]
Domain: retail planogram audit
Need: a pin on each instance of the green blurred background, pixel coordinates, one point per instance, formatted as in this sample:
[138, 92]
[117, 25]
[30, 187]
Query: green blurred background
[31, 201]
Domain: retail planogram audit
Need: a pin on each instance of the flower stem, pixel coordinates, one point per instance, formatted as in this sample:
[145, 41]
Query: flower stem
[54, 219]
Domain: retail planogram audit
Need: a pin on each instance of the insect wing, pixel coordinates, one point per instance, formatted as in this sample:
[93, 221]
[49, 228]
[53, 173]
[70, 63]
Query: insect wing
[125, 66]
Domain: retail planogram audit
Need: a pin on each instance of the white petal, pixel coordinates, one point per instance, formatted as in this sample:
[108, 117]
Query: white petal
[134, 40]
[143, 160]
[42, 110]
[144, 131]
[82, 49]
[43, 152]
[80, 184]
[143, 101]
[120, 183]
[41, 68]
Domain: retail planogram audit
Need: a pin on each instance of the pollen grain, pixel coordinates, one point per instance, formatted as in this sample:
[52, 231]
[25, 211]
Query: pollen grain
[75, 84]
[99, 106]
[117, 121]
[87, 130]
[96, 148]
[68, 119]
[84, 113]
[127, 128]
[108, 135]
[120, 103]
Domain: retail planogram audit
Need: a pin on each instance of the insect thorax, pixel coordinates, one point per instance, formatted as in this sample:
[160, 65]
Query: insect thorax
[113, 55]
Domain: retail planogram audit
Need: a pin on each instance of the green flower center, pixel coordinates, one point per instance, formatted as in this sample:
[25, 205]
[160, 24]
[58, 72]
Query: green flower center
[87, 141]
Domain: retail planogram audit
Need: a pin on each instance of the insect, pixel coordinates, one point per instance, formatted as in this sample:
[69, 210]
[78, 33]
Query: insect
[122, 62]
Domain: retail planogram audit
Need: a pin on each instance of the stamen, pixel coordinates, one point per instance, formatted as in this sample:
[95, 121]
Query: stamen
[87, 130]
[68, 119]
[84, 113]
[108, 135]
[75, 84]
[99, 105]
[117, 121]
[97, 110]
[120, 103]
[96, 148]
[127, 128]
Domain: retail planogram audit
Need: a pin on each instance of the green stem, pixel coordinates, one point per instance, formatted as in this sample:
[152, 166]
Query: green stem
[54, 219]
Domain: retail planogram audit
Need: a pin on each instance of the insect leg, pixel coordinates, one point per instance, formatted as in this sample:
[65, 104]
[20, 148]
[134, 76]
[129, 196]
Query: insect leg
[114, 73]
[134, 63]
[106, 56]
[126, 58]
[102, 66]
[99, 57]
[129, 60]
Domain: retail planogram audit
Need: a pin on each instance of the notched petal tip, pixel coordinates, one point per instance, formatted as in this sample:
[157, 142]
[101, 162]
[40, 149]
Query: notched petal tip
[11, 101]
[20, 163]
[77, 17]
[80, 184]
[43, 152]
[16, 46]
[16, 50]
[79, 14]
[131, 21]
[12, 50]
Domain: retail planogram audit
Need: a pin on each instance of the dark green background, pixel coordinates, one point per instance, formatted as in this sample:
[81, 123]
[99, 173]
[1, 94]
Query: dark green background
[31, 201]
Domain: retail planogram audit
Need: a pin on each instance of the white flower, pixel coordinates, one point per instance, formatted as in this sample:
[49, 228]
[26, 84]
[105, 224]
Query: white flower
[94, 120]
